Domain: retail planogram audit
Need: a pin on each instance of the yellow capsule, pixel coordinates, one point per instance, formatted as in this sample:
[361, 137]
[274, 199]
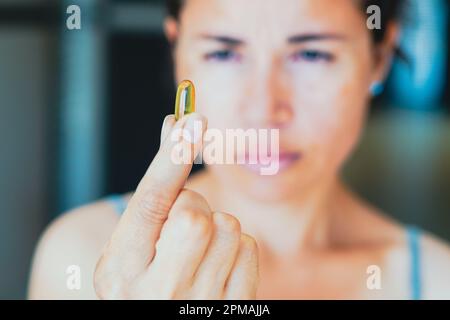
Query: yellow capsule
[185, 100]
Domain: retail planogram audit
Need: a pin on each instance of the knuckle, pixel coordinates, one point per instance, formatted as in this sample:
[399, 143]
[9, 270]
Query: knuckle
[190, 195]
[195, 222]
[227, 222]
[194, 197]
[249, 243]
[152, 208]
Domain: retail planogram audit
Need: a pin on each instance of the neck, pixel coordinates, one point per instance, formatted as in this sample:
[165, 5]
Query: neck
[289, 226]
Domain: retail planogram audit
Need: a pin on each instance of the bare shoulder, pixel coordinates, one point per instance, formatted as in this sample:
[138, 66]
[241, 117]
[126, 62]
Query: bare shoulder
[435, 263]
[434, 258]
[365, 224]
[71, 246]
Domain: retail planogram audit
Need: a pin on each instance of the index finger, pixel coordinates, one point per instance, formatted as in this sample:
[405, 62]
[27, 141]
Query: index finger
[138, 230]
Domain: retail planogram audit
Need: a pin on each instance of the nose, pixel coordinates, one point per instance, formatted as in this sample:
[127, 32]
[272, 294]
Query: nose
[268, 102]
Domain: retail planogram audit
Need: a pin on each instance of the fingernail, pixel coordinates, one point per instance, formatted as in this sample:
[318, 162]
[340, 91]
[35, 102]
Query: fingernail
[165, 128]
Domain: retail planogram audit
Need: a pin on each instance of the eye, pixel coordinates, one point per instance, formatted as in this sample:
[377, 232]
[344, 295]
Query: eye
[313, 56]
[223, 56]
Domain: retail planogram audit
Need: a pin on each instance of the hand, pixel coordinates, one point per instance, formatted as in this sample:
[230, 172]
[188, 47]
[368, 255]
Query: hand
[169, 245]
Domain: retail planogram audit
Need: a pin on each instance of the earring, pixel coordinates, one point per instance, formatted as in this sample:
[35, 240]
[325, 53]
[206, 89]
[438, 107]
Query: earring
[376, 88]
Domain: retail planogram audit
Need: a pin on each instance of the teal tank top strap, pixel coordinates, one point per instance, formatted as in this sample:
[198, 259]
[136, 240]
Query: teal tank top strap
[415, 262]
[118, 202]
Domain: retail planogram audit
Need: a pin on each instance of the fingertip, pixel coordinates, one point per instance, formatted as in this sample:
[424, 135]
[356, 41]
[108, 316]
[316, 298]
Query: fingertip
[170, 117]
[195, 116]
[194, 126]
[169, 120]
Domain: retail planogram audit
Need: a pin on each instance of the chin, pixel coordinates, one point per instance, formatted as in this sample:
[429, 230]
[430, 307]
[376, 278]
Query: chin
[271, 188]
[286, 184]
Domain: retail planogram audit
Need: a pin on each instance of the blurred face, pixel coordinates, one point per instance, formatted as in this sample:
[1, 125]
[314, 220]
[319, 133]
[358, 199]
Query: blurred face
[303, 67]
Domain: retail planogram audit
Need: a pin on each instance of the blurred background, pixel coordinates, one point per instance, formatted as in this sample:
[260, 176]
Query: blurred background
[81, 110]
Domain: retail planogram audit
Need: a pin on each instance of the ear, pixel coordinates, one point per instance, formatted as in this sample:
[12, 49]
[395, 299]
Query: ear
[385, 52]
[171, 30]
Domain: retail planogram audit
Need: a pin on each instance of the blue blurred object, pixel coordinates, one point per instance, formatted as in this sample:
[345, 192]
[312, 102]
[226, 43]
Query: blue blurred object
[421, 84]
[377, 88]
[82, 113]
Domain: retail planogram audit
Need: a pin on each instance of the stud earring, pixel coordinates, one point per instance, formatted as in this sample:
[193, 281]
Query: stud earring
[376, 88]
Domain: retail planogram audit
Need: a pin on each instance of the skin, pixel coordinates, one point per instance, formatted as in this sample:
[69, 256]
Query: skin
[228, 232]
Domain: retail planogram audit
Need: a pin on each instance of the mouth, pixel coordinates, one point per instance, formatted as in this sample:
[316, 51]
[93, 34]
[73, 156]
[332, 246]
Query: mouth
[285, 160]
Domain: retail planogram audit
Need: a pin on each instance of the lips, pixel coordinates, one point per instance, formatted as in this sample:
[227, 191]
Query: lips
[285, 160]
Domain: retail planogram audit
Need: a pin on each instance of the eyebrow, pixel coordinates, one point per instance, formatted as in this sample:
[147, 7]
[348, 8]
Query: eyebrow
[300, 38]
[229, 41]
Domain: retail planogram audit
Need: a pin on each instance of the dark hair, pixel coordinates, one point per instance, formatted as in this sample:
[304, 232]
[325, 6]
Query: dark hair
[391, 11]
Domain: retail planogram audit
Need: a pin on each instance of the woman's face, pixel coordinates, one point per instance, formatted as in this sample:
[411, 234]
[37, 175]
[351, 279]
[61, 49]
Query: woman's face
[303, 67]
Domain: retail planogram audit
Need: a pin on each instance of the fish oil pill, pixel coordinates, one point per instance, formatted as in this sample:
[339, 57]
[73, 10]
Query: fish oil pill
[185, 100]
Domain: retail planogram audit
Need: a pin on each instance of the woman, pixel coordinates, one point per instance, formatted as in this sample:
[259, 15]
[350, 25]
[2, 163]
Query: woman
[307, 68]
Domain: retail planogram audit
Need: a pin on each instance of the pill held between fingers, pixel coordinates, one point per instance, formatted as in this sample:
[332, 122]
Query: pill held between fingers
[185, 99]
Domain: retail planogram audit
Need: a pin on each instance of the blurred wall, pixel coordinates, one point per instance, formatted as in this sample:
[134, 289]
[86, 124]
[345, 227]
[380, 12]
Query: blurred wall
[24, 160]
